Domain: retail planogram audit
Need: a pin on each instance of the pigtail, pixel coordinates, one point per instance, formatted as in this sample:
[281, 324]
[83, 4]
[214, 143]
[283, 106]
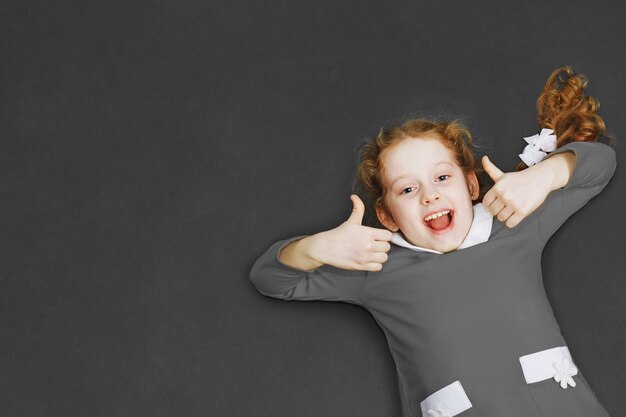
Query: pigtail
[564, 107]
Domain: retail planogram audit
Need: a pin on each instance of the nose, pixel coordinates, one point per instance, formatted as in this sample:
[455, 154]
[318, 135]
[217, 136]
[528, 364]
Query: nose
[429, 196]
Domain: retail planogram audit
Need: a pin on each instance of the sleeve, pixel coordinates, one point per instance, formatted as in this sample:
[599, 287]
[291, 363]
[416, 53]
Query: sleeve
[595, 165]
[274, 279]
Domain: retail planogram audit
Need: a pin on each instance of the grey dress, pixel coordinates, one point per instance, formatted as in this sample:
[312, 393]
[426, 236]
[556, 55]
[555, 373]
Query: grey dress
[471, 331]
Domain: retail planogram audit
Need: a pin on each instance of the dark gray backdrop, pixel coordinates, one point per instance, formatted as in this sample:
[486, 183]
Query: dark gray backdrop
[151, 151]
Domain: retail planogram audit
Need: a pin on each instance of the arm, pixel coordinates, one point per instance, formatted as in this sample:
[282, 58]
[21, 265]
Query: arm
[555, 170]
[296, 254]
[286, 281]
[594, 167]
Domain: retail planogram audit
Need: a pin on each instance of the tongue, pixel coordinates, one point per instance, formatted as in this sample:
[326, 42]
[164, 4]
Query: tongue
[440, 222]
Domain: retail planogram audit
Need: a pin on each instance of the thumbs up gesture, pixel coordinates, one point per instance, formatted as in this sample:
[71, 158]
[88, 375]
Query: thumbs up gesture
[515, 195]
[351, 245]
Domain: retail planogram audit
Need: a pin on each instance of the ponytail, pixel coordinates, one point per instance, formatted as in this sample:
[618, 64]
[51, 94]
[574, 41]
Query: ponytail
[564, 107]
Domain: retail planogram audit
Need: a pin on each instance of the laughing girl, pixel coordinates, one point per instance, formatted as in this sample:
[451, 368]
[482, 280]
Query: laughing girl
[453, 275]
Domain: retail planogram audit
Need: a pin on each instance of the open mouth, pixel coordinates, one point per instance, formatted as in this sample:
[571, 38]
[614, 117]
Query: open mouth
[440, 222]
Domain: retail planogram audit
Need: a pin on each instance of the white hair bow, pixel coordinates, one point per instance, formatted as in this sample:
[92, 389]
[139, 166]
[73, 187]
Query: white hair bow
[538, 147]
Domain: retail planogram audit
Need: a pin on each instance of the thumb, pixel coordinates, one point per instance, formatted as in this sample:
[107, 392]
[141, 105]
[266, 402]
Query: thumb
[358, 210]
[492, 170]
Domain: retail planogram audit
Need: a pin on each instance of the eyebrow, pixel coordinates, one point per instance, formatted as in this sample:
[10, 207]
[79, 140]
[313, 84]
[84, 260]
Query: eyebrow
[406, 174]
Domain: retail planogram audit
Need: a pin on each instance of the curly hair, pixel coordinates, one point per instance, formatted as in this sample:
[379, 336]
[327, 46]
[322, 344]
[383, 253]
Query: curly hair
[453, 134]
[562, 106]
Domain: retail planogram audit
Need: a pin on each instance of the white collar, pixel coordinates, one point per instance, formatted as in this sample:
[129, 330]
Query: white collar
[478, 233]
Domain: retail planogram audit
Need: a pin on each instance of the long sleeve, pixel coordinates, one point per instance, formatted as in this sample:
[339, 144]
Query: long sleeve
[274, 279]
[595, 165]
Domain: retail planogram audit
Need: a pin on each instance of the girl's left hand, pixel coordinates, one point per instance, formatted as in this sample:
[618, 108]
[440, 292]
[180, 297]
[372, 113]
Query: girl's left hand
[515, 195]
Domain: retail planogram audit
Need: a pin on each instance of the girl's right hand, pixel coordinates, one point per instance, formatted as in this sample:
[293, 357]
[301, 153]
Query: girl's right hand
[351, 245]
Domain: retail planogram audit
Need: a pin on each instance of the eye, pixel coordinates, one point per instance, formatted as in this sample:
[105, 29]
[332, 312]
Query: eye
[444, 175]
[408, 188]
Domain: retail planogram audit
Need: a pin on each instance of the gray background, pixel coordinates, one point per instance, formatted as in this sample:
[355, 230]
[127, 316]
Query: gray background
[151, 151]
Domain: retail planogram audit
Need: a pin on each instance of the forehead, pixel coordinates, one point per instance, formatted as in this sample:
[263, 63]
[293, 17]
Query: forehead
[414, 155]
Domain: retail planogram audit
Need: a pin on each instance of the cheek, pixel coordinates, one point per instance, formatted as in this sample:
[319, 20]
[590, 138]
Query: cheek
[468, 213]
[395, 212]
[404, 216]
[464, 203]
[464, 195]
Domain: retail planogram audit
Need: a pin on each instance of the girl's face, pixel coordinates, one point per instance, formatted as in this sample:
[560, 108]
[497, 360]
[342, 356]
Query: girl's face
[422, 178]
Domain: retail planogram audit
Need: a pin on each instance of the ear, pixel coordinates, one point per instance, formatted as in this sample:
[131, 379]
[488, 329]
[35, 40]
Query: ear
[472, 185]
[386, 219]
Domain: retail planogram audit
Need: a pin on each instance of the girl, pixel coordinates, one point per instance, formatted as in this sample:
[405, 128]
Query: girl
[460, 298]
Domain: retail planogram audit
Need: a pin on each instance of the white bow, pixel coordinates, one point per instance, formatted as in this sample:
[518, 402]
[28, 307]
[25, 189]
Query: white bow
[564, 373]
[538, 147]
[436, 413]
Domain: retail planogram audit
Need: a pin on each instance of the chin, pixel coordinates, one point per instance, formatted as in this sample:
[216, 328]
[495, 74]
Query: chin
[448, 248]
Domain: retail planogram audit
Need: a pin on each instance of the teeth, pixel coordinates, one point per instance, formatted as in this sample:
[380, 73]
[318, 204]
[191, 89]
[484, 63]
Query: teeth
[434, 216]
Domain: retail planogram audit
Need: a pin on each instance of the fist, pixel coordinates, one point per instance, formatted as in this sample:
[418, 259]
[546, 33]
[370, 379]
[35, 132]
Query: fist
[354, 246]
[515, 195]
